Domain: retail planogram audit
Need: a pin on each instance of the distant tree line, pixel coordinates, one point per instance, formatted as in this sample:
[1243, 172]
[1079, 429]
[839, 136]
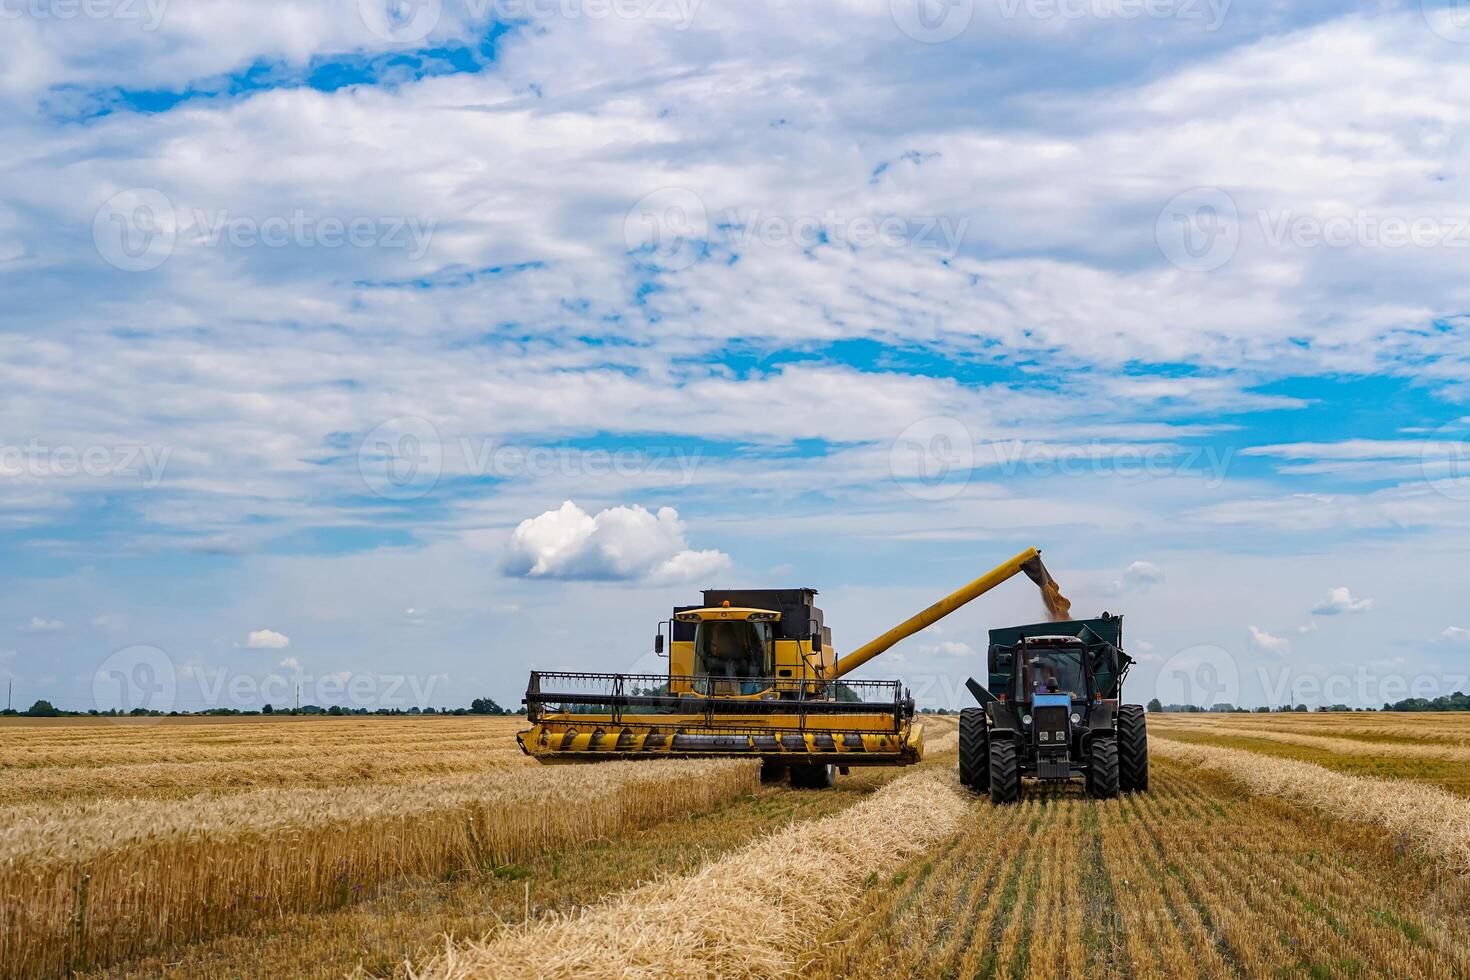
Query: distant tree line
[45, 709]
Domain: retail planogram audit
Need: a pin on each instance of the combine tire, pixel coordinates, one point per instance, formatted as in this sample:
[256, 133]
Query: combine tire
[974, 750]
[1102, 769]
[1005, 771]
[1132, 749]
[813, 777]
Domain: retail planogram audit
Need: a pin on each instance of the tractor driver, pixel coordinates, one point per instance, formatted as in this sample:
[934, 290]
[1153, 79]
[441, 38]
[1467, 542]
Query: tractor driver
[1044, 669]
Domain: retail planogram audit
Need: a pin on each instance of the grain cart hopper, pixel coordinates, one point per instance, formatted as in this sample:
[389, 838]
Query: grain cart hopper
[752, 673]
[1052, 712]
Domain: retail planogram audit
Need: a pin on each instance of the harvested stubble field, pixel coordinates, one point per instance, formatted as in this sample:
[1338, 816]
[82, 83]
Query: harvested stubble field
[1270, 846]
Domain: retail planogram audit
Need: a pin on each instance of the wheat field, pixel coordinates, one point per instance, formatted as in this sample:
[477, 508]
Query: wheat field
[1268, 846]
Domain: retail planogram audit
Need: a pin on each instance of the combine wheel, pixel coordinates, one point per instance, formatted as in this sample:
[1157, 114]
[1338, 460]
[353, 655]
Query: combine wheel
[974, 750]
[1102, 769]
[1005, 771]
[813, 777]
[1132, 749]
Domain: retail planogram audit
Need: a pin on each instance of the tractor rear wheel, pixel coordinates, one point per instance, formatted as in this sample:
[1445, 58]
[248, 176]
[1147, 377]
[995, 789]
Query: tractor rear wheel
[1132, 749]
[1102, 768]
[974, 750]
[1005, 771]
[813, 777]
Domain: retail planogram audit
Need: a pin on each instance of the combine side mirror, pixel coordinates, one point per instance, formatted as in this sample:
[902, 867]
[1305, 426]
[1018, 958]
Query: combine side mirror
[817, 642]
[658, 644]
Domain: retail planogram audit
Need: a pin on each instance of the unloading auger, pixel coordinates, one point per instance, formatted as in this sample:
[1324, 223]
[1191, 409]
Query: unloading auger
[752, 673]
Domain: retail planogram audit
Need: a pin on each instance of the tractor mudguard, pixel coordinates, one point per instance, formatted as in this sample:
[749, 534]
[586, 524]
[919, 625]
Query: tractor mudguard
[979, 693]
[1100, 718]
[1003, 719]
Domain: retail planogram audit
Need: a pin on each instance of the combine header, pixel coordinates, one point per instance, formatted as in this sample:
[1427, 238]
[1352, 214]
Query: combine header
[752, 673]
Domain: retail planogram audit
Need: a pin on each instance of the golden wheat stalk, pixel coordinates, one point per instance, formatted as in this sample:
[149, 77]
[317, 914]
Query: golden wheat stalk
[97, 882]
[1436, 821]
[751, 914]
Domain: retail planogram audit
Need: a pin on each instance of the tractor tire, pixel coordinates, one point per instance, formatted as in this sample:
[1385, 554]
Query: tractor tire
[974, 750]
[1102, 768]
[1005, 771]
[813, 776]
[1132, 749]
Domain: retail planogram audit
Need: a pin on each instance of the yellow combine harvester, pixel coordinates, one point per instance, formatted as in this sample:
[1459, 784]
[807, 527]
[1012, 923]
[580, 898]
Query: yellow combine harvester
[752, 674]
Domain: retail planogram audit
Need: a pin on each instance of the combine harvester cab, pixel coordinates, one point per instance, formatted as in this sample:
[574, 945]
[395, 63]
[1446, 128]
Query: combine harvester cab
[1052, 712]
[752, 674]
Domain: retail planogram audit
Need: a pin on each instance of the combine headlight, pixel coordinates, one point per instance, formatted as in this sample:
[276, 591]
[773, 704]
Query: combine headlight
[1045, 736]
[1076, 718]
[1025, 719]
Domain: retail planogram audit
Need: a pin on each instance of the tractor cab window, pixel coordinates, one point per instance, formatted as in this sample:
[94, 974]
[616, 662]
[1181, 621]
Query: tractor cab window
[732, 651]
[1057, 671]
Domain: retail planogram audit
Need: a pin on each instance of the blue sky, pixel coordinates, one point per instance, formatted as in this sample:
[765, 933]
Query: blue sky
[417, 345]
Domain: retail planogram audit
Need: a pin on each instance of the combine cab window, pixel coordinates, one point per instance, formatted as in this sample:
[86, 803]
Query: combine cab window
[732, 652]
[1057, 670]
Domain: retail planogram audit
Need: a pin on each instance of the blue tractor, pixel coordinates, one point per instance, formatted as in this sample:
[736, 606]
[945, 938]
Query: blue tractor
[1052, 711]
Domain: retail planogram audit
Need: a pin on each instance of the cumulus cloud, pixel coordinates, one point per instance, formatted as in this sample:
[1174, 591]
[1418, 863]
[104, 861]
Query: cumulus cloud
[1138, 577]
[1270, 642]
[290, 663]
[267, 640]
[1340, 600]
[1457, 633]
[41, 625]
[616, 544]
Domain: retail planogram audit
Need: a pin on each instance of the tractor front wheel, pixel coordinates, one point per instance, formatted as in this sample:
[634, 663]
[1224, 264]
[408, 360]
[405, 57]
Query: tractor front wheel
[1102, 768]
[813, 777]
[1132, 749]
[1005, 771]
[974, 750]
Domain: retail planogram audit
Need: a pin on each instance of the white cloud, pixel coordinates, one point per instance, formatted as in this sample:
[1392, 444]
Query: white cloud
[40, 625]
[1138, 577]
[290, 663]
[618, 544]
[267, 640]
[1340, 600]
[1457, 633]
[1269, 642]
